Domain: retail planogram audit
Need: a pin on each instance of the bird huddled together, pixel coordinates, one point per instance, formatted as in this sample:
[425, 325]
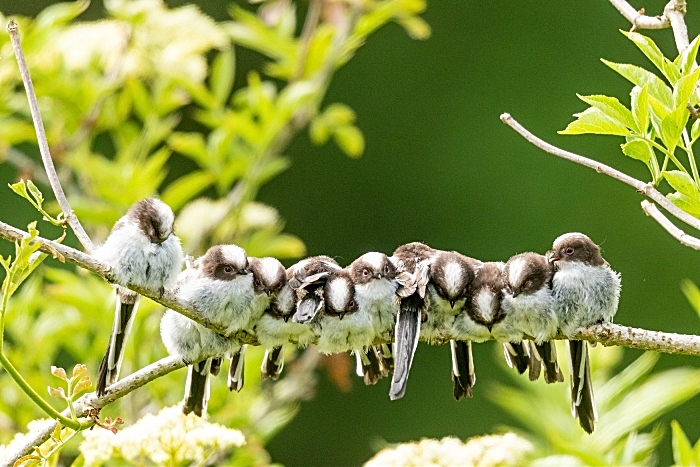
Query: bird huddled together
[378, 307]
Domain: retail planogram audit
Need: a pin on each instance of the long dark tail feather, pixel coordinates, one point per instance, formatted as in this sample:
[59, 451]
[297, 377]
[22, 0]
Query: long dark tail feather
[463, 375]
[386, 353]
[108, 373]
[369, 365]
[236, 370]
[307, 308]
[197, 388]
[548, 352]
[273, 363]
[406, 334]
[516, 356]
[216, 366]
[582, 402]
[535, 361]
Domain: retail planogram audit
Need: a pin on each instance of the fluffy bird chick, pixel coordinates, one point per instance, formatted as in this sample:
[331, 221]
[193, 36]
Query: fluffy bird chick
[222, 291]
[142, 250]
[449, 293]
[342, 326]
[529, 307]
[308, 278]
[376, 286]
[586, 291]
[269, 277]
[413, 259]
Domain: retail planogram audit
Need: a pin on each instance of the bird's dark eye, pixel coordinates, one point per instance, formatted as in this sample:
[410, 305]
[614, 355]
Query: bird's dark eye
[228, 269]
[386, 269]
[527, 284]
[365, 272]
[351, 304]
[257, 282]
[569, 251]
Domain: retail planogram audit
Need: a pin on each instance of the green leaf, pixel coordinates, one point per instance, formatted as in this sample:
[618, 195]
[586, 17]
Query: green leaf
[640, 107]
[654, 54]
[83, 385]
[692, 294]
[223, 71]
[350, 140]
[695, 130]
[672, 127]
[612, 108]
[593, 120]
[187, 187]
[416, 27]
[689, 205]
[191, 145]
[79, 369]
[684, 90]
[60, 14]
[339, 114]
[641, 150]
[681, 182]
[688, 56]
[21, 189]
[682, 449]
[319, 132]
[641, 77]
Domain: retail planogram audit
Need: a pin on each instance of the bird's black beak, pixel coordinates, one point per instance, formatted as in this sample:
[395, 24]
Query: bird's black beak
[341, 316]
[516, 293]
[554, 256]
[285, 318]
[489, 327]
[245, 272]
[378, 276]
[452, 304]
[268, 292]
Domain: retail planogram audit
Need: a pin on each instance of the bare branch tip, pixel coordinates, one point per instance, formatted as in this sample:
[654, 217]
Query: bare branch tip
[505, 117]
[12, 26]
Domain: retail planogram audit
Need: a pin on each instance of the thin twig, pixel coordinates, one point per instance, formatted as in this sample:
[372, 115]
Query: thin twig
[90, 401]
[610, 334]
[638, 19]
[641, 187]
[675, 12]
[85, 261]
[688, 240]
[673, 17]
[70, 216]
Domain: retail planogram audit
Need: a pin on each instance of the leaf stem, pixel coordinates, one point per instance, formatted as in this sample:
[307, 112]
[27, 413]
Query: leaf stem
[691, 157]
[28, 390]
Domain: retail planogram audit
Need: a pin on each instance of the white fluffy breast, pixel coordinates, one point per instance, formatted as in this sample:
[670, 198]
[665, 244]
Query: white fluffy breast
[515, 270]
[484, 304]
[453, 278]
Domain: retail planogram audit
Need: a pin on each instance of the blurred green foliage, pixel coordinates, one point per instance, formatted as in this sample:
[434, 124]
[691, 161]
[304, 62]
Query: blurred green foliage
[117, 121]
[119, 97]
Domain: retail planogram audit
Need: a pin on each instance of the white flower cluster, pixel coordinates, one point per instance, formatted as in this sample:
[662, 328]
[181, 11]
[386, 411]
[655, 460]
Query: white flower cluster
[167, 438]
[21, 439]
[491, 450]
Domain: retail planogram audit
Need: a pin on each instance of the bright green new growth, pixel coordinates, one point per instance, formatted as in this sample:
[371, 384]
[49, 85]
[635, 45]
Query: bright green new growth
[657, 120]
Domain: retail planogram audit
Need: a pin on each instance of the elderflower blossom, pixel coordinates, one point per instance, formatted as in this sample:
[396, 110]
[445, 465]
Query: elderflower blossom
[169, 437]
[21, 439]
[491, 450]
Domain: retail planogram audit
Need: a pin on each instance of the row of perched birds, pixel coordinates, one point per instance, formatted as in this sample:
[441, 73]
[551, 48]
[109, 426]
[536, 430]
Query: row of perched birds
[418, 292]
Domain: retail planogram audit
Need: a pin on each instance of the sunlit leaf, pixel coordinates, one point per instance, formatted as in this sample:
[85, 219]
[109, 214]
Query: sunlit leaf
[57, 392]
[60, 14]
[689, 205]
[672, 127]
[223, 71]
[83, 385]
[416, 27]
[59, 373]
[684, 90]
[689, 55]
[692, 294]
[612, 108]
[593, 120]
[640, 108]
[695, 130]
[681, 182]
[654, 54]
[79, 369]
[191, 145]
[641, 77]
[639, 149]
[187, 187]
[682, 449]
[350, 140]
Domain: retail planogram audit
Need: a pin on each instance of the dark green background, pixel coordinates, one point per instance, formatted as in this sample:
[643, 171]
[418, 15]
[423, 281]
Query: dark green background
[440, 167]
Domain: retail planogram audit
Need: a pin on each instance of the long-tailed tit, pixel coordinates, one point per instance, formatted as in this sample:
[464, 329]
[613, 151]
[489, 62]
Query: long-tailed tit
[586, 291]
[449, 292]
[529, 307]
[142, 250]
[221, 290]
